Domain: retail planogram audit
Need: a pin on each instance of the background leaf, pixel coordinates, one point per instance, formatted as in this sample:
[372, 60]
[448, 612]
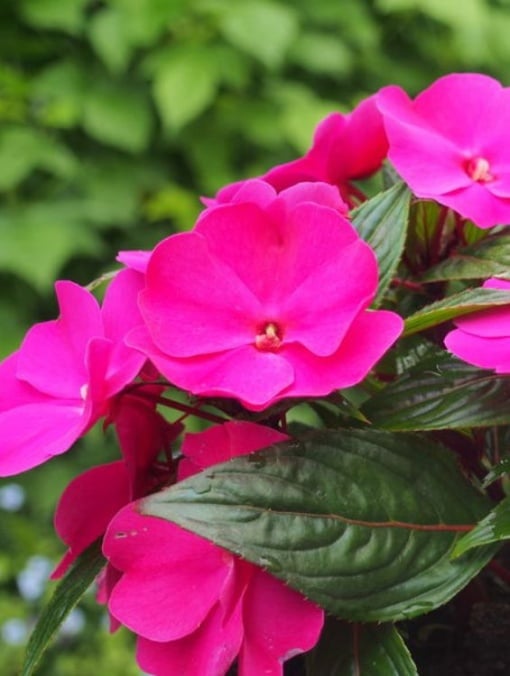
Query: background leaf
[184, 85]
[382, 222]
[262, 28]
[360, 650]
[118, 116]
[354, 519]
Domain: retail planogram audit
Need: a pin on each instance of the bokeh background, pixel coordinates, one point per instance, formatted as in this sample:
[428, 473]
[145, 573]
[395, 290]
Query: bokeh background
[115, 116]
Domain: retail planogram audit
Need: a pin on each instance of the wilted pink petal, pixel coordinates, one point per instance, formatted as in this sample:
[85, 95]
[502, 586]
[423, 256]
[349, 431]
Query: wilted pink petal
[87, 506]
[223, 442]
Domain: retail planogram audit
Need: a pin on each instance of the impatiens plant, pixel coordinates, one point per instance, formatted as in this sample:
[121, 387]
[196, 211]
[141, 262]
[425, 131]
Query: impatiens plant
[346, 352]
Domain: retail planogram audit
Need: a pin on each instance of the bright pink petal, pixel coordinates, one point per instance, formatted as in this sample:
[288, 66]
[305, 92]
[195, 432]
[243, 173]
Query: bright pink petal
[495, 283]
[279, 623]
[250, 244]
[172, 578]
[488, 353]
[253, 376]
[193, 303]
[316, 192]
[32, 434]
[369, 337]
[208, 651]
[346, 276]
[462, 107]
[52, 355]
[15, 392]
[362, 147]
[87, 506]
[119, 310]
[477, 203]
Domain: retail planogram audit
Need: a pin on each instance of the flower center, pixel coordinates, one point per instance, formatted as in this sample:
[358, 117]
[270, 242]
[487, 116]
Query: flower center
[478, 168]
[269, 339]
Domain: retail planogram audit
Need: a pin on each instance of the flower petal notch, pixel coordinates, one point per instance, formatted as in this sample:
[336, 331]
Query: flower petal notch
[452, 144]
[265, 300]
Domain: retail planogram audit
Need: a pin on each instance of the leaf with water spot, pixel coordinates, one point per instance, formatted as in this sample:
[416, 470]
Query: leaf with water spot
[361, 521]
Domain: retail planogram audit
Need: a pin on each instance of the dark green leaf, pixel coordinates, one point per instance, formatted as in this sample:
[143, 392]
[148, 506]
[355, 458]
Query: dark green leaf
[441, 392]
[67, 594]
[463, 303]
[359, 650]
[487, 258]
[382, 222]
[361, 521]
[495, 527]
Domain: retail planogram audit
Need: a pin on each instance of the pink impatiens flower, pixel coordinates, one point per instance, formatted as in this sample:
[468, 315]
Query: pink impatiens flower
[483, 338]
[195, 606]
[452, 144]
[345, 148]
[265, 299]
[60, 381]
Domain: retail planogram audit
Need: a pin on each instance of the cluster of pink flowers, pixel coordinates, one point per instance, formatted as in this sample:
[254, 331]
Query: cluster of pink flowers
[266, 299]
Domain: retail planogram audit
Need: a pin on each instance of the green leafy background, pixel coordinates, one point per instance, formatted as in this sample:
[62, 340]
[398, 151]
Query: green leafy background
[116, 115]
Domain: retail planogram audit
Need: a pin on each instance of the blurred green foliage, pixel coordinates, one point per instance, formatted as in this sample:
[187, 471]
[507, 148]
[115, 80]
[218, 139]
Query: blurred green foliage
[116, 115]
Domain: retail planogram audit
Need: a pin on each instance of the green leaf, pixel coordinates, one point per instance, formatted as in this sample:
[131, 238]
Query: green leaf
[146, 20]
[441, 393]
[57, 94]
[322, 53]
[107, 33]
[382, 222]
[495, 527]
[23, 149]
[261, 28]
[66, 15]
[118, 116]
[184, 86]
[489, 257]
[25, 233]
[360, 650]
[66, 595]
[463, 303]
[361, 521]
[503, 467]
